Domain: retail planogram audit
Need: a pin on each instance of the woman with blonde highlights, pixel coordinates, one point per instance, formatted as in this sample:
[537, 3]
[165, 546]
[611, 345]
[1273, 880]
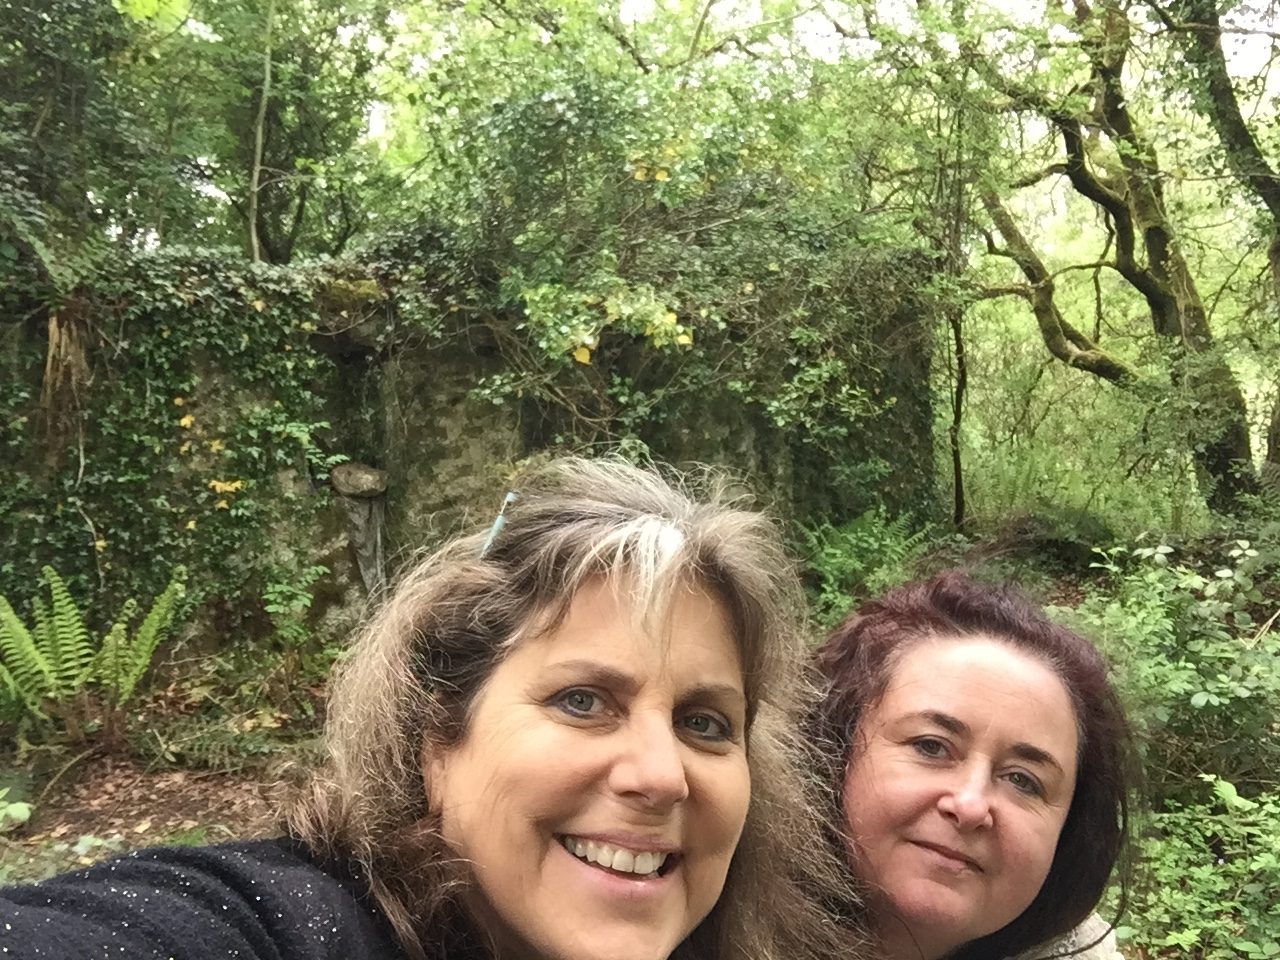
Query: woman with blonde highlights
[571, 739]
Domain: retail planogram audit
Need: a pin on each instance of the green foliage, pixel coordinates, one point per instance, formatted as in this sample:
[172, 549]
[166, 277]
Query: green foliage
[51, 662]
[1209, 876]
[51, 667]
[13, 813]
[287, 601]
[859, 559]
[1201, 676]
[123, 658]
[202, 441]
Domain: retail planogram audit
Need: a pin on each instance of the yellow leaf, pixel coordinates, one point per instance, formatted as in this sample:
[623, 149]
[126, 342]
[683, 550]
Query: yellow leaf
[185, 448]
[222, 505]
[191, 524]
[582, 355]
[748, 287]
[259, 305]
[670, 317]
[179, 401]
[100, 545]
[661, 175]
[642, 173]
[684, 339]
[216, 446]
[187, 422]
[143, 827]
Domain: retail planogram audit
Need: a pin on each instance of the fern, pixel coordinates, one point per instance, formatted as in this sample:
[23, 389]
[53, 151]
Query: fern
[111, 658]
[860, 558]
[11, 705]
[124, 660]
[45, 669]
[27, 665]
[70, 653]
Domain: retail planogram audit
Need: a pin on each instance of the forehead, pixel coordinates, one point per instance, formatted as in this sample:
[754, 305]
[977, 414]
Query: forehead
[690, 632]
[981, 680]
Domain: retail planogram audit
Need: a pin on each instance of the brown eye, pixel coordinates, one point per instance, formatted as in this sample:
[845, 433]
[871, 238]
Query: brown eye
[929, 747]
[1025, 783]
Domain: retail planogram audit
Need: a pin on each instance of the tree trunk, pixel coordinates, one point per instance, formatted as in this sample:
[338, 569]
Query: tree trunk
[259, 136]
[1202, 30]
[1148, 255]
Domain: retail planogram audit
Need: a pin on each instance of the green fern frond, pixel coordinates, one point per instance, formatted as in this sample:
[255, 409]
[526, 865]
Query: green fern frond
[27, 664]
[11, 702]
[110, 666]
[135, 657]
[70, 652]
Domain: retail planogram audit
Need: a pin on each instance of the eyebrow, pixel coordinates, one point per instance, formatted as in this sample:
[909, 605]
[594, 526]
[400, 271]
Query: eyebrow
[1024, 751]
[594, 672]
[716, 691]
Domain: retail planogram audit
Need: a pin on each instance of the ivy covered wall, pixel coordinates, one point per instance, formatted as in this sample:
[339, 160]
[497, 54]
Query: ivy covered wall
[187, 407]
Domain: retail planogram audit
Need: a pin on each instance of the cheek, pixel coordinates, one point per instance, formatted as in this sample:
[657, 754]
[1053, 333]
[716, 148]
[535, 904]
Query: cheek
[727, 800]
[1033, 854]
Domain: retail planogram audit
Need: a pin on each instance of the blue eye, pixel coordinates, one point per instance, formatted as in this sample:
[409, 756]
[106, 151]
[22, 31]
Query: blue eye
[707, 726]
[579, 702]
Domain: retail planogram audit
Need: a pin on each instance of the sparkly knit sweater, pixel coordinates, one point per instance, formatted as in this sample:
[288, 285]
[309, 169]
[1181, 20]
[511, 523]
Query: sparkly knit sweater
[262, 900]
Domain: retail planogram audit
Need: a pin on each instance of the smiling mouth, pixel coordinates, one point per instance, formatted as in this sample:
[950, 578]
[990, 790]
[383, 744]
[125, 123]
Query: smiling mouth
[637, 864]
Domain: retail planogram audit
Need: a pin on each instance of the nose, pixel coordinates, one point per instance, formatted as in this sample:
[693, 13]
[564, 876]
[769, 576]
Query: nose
[966, 802]
[649, 770]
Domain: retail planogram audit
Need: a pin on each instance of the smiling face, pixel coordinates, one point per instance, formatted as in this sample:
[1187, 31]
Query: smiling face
[602, 784]
[960, 782]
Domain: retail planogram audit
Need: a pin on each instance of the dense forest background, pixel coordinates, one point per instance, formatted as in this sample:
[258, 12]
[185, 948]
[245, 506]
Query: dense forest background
[289, 287]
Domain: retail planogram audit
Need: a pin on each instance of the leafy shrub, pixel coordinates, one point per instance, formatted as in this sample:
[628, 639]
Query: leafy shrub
[858, 559]
[1210, 877]
[1202, 678]
[1202, 681]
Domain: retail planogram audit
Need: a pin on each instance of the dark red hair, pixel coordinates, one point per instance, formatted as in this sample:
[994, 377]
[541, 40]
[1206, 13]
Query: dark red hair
[857, 662]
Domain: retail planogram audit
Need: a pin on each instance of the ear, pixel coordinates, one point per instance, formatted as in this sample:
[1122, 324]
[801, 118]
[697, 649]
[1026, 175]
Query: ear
[435, 773]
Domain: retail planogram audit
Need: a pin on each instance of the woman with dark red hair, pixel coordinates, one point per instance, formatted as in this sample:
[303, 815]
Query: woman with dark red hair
[983, 766]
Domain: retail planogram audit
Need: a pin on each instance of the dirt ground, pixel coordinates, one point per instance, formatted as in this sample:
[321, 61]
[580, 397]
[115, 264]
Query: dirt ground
[111, 804]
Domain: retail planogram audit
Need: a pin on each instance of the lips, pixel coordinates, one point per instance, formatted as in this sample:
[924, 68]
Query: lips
[950, 853]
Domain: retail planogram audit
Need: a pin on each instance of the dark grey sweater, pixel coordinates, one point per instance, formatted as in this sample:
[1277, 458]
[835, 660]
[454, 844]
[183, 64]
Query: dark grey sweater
[263, 900]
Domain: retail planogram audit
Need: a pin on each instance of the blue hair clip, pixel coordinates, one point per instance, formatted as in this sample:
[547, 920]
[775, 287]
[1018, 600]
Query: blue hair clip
[499, 522]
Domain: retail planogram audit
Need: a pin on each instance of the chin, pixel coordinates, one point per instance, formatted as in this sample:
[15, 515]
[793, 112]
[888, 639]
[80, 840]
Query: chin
[598, 944]
[936, 919]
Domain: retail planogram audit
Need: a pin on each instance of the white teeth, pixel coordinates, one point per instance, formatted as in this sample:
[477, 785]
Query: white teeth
[643, 863]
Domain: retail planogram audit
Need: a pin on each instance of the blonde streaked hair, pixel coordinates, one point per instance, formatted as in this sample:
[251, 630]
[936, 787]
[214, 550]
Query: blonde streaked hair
[415, 670]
